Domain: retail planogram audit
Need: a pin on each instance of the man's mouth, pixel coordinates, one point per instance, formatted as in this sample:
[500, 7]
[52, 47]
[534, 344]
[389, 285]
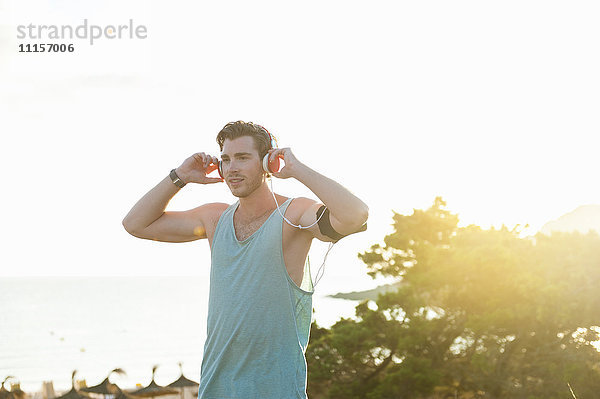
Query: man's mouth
[235, 180]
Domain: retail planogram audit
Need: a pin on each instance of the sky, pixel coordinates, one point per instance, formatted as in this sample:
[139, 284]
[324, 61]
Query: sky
[491, 105]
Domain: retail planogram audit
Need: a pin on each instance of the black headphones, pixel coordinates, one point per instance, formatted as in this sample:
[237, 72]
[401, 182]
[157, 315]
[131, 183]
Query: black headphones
[268, 166]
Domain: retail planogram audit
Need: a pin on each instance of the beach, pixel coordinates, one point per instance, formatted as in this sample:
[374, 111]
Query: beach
[50, 326]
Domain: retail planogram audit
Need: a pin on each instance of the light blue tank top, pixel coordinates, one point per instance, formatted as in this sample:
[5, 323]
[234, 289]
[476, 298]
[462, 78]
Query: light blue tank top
[258, 318]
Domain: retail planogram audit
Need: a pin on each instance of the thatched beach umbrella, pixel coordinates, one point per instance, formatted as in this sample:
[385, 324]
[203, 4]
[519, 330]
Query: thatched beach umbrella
[181, 383]
[17, 393]
[73, 393]
[125, 395]
[153, 389]
[5, 393]
[106, 388]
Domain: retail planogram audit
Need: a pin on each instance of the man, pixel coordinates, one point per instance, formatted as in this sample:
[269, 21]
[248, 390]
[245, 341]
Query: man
[260, 301]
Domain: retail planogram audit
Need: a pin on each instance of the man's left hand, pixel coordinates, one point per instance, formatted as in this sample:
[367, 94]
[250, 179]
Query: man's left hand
[292, 165]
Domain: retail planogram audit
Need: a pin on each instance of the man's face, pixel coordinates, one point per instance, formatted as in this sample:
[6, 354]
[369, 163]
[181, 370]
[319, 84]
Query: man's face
[242, 167]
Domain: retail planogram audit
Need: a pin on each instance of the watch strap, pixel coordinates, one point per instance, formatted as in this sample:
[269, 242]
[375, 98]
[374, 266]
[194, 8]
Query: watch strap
[176, 180]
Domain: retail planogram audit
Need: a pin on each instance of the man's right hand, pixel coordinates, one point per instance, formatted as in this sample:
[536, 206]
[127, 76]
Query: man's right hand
[195, 168]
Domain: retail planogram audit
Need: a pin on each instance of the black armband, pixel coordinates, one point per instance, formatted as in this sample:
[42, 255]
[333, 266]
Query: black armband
[327, 229]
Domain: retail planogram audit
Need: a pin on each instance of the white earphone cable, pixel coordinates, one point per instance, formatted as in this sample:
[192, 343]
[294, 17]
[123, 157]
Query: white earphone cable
[284, 218]
[331, 244]
[317, 277]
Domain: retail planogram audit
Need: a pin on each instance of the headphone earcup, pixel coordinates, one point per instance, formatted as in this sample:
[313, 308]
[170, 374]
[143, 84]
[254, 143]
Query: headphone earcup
[220, 169]
[272, 166]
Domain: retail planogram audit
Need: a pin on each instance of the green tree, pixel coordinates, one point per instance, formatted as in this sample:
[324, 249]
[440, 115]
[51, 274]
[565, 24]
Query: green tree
[478, 313]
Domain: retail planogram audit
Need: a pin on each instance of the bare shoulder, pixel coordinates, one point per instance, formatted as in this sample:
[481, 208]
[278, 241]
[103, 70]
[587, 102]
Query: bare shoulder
[210, 215]
[211, 212]
[302, 203]
[301, 206]
[218, 207]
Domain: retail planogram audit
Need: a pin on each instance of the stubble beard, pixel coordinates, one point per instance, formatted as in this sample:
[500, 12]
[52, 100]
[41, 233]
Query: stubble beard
[250, 186]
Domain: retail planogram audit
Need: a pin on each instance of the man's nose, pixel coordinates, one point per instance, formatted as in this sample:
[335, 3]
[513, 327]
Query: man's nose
[233, 166]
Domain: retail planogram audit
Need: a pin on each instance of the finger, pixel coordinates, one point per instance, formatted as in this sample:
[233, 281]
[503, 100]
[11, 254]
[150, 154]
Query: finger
[210, 168]
[276, 153]
[280, 174]
[211, 180]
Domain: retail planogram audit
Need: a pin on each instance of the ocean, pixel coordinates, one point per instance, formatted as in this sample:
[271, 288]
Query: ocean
[50, 326]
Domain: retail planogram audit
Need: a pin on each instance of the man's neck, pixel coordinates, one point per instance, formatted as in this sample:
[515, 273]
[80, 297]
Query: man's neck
[258, 203]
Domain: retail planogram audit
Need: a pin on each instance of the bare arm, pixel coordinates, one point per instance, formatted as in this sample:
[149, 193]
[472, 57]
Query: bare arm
[348, 212]
[148, 219]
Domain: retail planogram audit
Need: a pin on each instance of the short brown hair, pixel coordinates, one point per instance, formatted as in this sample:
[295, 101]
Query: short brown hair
[233, 130]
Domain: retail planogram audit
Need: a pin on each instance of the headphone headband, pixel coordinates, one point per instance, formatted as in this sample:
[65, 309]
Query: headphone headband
[272, 139]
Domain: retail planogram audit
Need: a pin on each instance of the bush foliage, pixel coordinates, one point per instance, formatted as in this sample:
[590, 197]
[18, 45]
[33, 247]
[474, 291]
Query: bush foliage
[478, 314]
